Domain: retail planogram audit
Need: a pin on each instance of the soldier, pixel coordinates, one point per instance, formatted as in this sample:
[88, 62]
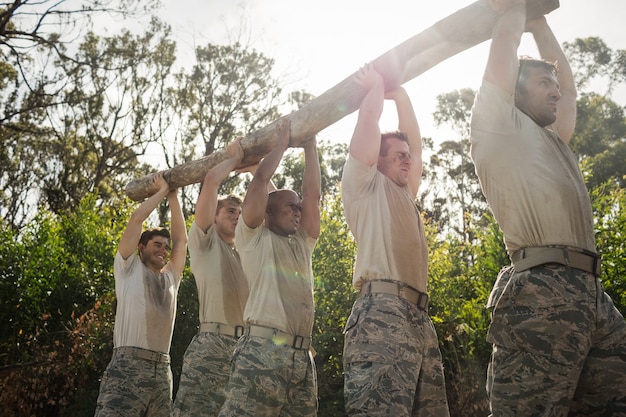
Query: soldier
[222, 292]
[273, 371]
[138, 380]
[392, 362]
[559, 345]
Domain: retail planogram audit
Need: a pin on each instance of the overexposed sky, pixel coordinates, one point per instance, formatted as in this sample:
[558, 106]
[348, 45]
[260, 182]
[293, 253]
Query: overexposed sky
[316, 44]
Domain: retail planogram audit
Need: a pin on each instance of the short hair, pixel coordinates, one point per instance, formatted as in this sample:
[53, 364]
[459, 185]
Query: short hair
[274, 195]
[391, 135]
[236, 200]
[148, 234]
[526, 63]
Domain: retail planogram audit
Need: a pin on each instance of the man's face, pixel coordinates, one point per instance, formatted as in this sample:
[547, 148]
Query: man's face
[396, 164]
[538, 96]
[284, 212]
[155, 253]
[226, 220]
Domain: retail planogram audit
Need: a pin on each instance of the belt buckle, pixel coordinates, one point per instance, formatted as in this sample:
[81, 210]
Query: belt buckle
[421, 296]
[596, 264]
[295, 343]
[239, 330]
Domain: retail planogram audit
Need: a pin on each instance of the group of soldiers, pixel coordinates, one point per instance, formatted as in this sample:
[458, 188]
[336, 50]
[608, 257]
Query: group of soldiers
[559, 343]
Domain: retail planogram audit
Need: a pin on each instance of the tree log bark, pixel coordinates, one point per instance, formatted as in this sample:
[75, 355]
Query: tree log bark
[461, 30]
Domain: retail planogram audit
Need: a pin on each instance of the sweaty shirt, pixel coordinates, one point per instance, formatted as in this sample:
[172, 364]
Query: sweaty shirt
[280, 278]
[386, 225]
[146, 305]
[529, 176]
[222, 285]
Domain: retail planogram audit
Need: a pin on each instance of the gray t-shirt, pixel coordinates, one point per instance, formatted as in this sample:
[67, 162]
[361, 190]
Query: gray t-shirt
[280, 276]
[146, 305]
[386, 225]
[529, 176]
[222, 285]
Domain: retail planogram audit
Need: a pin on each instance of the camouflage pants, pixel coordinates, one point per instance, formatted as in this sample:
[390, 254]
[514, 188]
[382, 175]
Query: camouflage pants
[270, 380]
[559, 345]
[392, 361]
[206, 367]
[135, 387]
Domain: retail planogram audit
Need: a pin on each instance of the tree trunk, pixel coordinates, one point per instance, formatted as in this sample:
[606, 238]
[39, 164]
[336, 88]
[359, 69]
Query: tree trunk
[460, 31]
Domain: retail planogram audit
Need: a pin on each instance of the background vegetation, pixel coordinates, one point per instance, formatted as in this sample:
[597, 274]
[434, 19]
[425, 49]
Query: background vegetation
[80, 114]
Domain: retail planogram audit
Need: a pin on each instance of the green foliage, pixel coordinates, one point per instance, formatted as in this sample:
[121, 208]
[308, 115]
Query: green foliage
[187, 319]
[334, 295]
[609, 204]
[186, 325]
[459, 290]
[59, 311]
[600, 140]
[332, 159]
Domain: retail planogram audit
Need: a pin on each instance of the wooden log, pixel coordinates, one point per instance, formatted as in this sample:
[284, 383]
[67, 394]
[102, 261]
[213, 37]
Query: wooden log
[461, 30]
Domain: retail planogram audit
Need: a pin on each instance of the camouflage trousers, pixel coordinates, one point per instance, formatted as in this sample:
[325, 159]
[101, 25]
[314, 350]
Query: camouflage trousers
[206, 367]
[559, 345]
[269, 379]
[135, 387]
[392, 362]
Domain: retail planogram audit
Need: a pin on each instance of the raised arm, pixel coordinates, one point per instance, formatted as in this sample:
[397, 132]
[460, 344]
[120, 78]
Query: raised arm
[132, 233]
[207, 200]
[503, 61]
[178, 232]
[365, 142]
[255, 203]
[550, 50]
[311, 190]
[407, 123]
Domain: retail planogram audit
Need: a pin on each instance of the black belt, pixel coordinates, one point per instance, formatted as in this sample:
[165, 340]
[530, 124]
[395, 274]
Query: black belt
[402, 290]
[221, 328]
[279, 337]
[582, 259]
[137, 352]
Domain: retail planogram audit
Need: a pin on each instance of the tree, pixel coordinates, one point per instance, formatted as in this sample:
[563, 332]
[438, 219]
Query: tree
[600, 136]
[591, 59]
[229, 92]
[110, 116]
[83, 126]
[455, 192]
[47, 29]
[600, 140]
[332, 159]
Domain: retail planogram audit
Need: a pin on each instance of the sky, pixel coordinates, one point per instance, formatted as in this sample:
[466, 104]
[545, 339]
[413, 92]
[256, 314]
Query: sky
[317, 44]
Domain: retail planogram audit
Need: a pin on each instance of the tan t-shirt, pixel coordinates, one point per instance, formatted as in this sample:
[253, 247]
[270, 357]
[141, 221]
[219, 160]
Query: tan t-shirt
[529, 176]
[146, 305]
[280, 278]
[222, 285]
[386, 225]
